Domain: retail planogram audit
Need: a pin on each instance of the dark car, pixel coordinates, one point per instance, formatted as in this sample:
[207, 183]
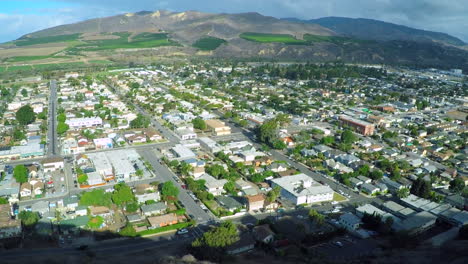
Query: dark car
[82, 247]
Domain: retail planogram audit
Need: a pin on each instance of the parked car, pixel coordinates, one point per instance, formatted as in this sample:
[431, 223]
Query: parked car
[182, 231]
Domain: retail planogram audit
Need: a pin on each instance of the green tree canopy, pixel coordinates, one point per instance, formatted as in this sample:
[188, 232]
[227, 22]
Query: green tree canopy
[266, 133]
[218, 237]
[128, 231]
[25, 115]
[457, 185]
[20, 173]
[97, 197]
[82, 178]
[273, 194]
[169, 189]
[28, 218]
[61, 117]
[122, 194]
[62, 128]
[348, 137]
[199, 123]
[140, 122]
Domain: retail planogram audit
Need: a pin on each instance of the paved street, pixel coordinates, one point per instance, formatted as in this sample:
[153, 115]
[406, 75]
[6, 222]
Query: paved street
[52, 147]
[163, 174]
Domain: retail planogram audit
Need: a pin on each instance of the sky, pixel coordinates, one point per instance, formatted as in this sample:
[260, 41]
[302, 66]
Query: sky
[19, 17]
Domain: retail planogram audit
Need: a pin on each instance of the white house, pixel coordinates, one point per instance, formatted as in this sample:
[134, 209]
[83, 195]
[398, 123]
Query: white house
[302, 189]
[212, 185]
[350, 221]
[53, 164]
[84, 122]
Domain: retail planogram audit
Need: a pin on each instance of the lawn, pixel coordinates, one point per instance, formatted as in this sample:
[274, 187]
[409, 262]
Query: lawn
[100, 62]
[27, 58]
[338, 197]
[272, 38]
[208, 43]
[43, 40]
[165, 228]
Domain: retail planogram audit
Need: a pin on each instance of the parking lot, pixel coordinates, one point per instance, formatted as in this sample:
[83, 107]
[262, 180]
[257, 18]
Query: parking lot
[345, 248]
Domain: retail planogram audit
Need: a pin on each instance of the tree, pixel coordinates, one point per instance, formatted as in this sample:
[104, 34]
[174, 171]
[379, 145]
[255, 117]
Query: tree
[82, 178]
[28, 218]
[216, 170]
[218, 237]
[123, 194]
[273, 194]
[230, 187]
[348, 137]
[421, 188]
[62, 128]
[266, 133]
[3, 200]
[128, 231]
[403, 193]
[18, 134]
[20, 173]
[243, 123]
[97, 197]
[316, 217]
[131, 207]
[139, 173]
[25, 115]
[24, 92]
[199, 123]
[376, 175]
[61, 117]
[328, 140]
[457, 185]
[279, 144]
[140, 122]
[169, 190]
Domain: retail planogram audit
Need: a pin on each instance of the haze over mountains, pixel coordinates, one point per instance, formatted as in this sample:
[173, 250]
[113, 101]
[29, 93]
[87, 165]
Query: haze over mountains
[324, 39]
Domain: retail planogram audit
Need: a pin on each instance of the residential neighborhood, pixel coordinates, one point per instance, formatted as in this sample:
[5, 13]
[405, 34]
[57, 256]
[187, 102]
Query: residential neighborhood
[283, 162]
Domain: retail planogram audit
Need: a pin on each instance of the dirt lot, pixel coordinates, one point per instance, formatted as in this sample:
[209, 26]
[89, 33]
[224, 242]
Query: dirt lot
[35, 50]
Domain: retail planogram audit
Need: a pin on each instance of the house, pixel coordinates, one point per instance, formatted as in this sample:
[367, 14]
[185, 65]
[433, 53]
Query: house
[103, 143]
[153, 209]
[81, 210]
[350, 221]
[52, 164]
[9, 227]
[302, 189]
[278, 167]
[309, 152]
[198, 171]
[244, 244]
[364, 179]
[71, 202]
[76, 123]
[369, 188]
[134, 218]
[212, 185]
[229, 203]
[255, 202]
[218, 128]
[263, 234]
[31, 188]
[163, 220]
[142, 198]
[100, 211]
[355, 182]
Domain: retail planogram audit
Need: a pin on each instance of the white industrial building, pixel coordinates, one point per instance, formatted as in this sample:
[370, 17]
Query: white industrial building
[302, 189]
[84, 122]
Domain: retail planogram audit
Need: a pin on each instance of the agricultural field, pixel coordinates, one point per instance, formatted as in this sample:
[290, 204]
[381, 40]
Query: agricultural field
[272, 38]
[143, 40]
[33, 51]
[208, 43]
[44, 40]
[333, 39]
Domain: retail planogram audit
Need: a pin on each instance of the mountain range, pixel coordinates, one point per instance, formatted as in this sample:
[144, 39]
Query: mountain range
[143, 35]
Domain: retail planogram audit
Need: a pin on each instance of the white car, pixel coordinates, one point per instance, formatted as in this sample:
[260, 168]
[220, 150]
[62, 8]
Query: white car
[182, 231]
[334, 202]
